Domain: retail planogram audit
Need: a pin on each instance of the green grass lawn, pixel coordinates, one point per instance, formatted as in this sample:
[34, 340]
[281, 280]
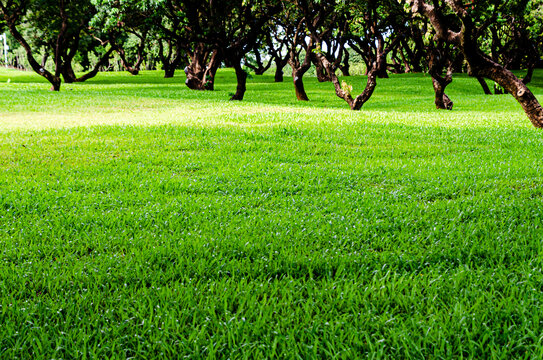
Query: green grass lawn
[140, 219]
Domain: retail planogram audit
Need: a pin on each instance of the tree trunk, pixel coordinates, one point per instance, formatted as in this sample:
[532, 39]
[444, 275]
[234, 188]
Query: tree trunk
[442, 101]
[133, 70]
[484, 85]
[321, 73]
[481, 65]
[438, 56]
[201, 71]
[297, 78]
[169, 71]
[102, 62]
[241, 77]
[382, 66]
[343, 91]
[528, 78]
[278, 74]
[53, 79]
[345, 67]
[68, 73]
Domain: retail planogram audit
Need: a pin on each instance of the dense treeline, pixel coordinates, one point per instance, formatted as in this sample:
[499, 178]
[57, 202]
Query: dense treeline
[487, 39]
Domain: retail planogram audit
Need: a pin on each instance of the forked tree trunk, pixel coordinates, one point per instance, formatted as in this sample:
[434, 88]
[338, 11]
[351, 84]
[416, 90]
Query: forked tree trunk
[101, 63]
[202, 69]
[135, 68]
[438, 56]
[442, 101]
[344, 93]
[171, 60]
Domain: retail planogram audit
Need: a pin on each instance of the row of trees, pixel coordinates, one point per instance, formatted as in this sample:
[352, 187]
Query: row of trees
[486, 38]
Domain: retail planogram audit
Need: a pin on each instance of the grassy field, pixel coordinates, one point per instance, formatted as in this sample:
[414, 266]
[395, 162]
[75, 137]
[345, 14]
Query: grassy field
[139, 219]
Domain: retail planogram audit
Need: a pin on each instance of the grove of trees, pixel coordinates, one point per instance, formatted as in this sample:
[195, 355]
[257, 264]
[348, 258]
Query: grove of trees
[489, 39]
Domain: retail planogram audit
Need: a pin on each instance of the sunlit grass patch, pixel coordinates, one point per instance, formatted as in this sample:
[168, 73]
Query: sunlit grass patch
[141, 219]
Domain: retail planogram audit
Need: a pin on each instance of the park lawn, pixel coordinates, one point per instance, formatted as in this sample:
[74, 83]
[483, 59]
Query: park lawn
[141, 219]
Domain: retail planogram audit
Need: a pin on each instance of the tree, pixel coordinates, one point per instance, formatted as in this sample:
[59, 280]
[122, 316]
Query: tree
[466, 38]
[59, 25]
[127, 24]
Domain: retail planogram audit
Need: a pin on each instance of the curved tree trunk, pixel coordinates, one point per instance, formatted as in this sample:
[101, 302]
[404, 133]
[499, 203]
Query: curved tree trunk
[102, 62]
[299, 69]
[513, 85]
[484, 85]
[52, 78]
[321, 72]
[297, 78]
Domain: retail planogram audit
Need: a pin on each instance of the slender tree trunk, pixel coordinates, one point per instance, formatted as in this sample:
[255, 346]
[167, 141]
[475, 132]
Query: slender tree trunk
[528, 78]
[102, 62]
[44, 59]
[40, 70]
[484, 85]
[345, 67]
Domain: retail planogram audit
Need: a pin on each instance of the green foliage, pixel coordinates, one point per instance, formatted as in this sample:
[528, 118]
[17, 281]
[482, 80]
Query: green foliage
[146, 220]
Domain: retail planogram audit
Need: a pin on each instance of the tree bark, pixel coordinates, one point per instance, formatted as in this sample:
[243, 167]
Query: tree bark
[297, 78]
[102, 62]
[345, 67]
[484, 85]
[299, 69]
[241, 77]
[202, 69]
[442, 101]
[320, 71]
[278, 74]
[344, 93]
[438, 56]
